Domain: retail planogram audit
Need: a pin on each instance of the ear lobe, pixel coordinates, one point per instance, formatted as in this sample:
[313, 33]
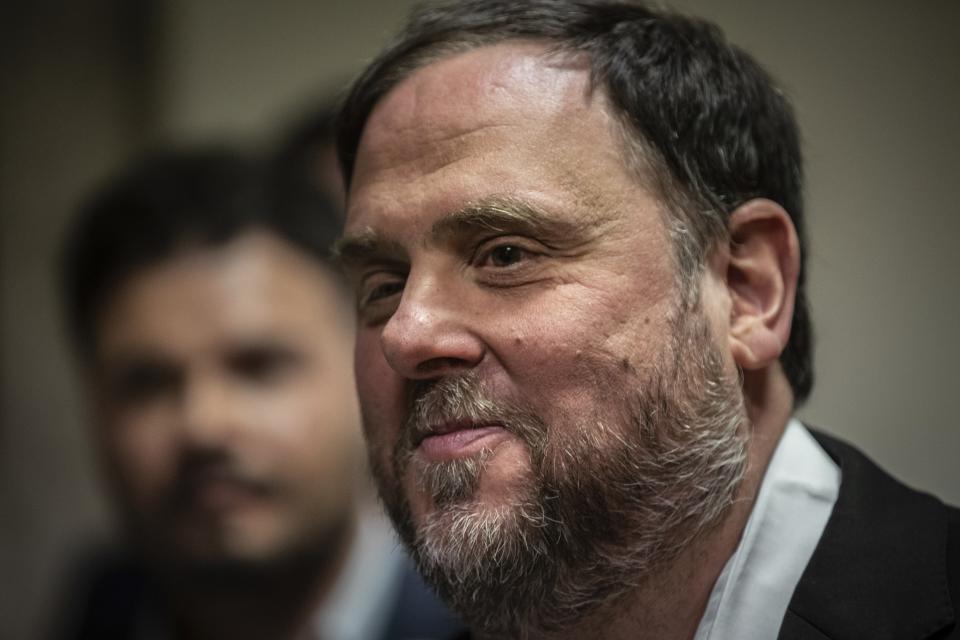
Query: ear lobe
[762, 280]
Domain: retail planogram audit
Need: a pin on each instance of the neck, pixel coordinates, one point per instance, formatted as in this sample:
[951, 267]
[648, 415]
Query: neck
[264, 602]
[670, 605]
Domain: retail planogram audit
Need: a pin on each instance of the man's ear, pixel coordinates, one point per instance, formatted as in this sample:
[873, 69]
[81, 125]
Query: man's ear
[762, 280]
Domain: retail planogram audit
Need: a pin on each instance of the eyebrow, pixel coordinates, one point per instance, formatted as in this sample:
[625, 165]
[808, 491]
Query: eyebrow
[497, 214]
[501, 214]
[365, 247]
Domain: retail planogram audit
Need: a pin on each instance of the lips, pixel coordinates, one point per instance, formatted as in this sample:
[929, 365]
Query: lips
[445, 428]
[223, 495]
[455, 440]
[215, 489]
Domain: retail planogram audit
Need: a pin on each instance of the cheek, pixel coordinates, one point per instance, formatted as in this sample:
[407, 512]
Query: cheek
[140, 450]
[569, 350]
[306, 423]
[380, 390]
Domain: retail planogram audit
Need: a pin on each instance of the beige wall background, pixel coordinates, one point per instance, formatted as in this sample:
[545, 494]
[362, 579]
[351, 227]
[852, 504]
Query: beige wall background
[85, 85]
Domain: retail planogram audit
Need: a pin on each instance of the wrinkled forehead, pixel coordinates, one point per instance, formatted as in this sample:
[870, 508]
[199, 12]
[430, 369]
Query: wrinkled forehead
[490, 86]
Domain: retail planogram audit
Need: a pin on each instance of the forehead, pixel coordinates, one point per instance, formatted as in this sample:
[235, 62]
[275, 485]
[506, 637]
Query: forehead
[253, 285]
[488, 87]
[509, 117]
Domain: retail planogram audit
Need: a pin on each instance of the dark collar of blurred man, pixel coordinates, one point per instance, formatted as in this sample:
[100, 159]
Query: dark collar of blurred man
[217, 343]
[575, 232]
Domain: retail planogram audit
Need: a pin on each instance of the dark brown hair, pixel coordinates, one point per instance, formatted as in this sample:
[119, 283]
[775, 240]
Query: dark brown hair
[708, 120]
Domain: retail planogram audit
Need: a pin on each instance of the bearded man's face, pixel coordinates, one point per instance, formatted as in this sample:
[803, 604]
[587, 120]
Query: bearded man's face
[549, 416]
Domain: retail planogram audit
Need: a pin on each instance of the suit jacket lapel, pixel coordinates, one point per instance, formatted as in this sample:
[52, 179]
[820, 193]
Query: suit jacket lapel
[879, 571]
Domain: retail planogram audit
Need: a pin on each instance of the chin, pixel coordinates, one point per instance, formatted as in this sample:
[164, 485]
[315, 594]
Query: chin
[239, 546]
[482, 483]
[252, 538]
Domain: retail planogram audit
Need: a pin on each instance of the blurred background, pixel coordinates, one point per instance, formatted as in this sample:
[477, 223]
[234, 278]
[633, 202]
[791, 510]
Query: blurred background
[87, 85]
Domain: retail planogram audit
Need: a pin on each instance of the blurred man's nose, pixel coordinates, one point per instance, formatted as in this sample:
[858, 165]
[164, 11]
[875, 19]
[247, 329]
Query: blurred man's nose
[430, 333]
[208, 417]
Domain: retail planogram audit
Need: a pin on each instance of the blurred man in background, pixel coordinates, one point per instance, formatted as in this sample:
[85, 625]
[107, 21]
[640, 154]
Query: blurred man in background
[307, 153]
[215, 341]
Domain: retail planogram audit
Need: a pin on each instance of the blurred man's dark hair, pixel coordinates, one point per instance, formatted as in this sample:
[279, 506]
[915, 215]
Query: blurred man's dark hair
[171, 200]
[306, 154]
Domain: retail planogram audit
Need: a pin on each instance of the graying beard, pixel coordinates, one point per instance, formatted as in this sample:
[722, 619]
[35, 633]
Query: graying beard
[605, 509]
[454, 481]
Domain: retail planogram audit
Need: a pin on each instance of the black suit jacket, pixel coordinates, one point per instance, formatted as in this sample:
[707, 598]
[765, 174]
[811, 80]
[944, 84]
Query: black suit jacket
[887, 566]
[106, 601]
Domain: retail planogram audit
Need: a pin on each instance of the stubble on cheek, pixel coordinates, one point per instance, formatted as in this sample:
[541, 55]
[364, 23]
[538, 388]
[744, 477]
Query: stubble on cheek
[389, 484]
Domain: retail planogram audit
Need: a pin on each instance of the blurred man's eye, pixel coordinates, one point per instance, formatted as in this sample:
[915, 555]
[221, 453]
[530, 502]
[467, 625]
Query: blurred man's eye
[266, 364]
[141, 382]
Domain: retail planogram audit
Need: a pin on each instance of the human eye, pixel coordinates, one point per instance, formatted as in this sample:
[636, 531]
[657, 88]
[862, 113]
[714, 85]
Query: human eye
[264, 364]
[139, 382]
[384, 290]
[378, 293]
[380, 287]
[504, 253]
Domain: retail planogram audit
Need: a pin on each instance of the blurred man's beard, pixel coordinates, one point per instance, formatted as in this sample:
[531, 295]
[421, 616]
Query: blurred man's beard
[290, 568]
[180, 539]
[604, 506]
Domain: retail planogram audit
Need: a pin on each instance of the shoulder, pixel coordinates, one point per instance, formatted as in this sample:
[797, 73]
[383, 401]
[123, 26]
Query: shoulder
[102, 594]
[888, 562]
[419, 612]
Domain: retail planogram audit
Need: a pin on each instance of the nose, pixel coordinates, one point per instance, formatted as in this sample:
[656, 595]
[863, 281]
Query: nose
[207, 418]
[429, 335]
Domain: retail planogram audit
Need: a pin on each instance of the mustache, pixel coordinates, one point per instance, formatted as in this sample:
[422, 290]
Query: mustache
[464, 398]
[201, 469]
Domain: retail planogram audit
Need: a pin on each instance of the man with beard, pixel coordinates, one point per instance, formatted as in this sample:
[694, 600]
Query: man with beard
[215, 338]
[575, 230]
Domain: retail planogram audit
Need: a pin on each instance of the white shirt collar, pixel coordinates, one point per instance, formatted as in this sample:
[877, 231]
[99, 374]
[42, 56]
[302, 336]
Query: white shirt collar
[793, 505]
[359, 605]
